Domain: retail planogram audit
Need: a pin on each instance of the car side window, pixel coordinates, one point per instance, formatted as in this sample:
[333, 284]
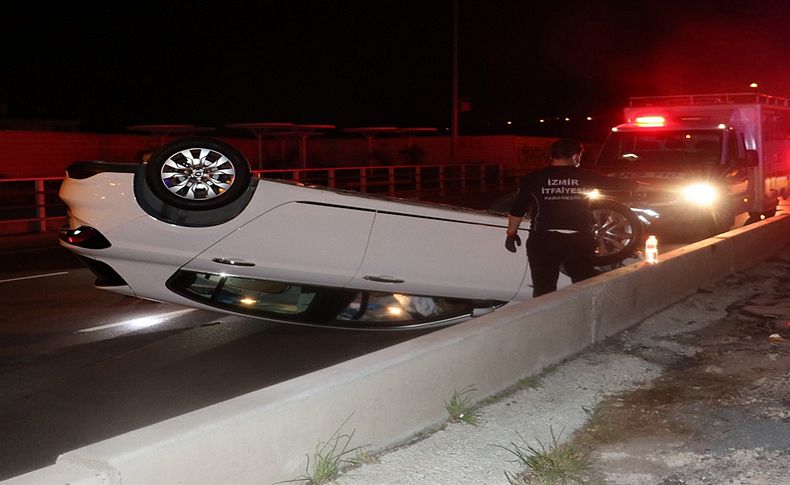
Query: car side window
[244, 294]
[337, 307]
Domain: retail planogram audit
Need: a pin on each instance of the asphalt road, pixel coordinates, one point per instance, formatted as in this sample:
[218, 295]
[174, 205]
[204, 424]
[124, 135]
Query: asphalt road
[78, 365]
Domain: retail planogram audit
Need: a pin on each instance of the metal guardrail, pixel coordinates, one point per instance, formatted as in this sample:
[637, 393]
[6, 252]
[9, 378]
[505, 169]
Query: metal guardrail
[29, 205]
[703, 99]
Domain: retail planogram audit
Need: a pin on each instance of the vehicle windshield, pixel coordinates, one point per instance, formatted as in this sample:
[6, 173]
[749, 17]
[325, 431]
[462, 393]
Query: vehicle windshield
[646, 149]
[321, 306]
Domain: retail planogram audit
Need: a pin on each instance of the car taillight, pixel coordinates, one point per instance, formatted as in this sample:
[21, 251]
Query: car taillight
[650, 121]
[84, 237]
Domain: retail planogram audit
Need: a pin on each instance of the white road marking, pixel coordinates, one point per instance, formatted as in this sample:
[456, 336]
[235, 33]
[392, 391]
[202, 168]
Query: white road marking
[137, 323]
[34, 276]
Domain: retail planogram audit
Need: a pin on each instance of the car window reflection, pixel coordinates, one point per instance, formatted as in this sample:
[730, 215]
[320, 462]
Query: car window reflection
[324, 306]
[395, 307]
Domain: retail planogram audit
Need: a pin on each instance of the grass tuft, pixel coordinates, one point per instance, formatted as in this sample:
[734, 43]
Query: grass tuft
[553, 464]
[459, 406]
[364, 458]
[330, 458]
[530, 382]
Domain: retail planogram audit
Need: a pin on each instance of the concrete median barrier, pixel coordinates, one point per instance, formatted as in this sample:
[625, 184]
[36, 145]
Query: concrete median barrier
[391, 395]
[625, 297]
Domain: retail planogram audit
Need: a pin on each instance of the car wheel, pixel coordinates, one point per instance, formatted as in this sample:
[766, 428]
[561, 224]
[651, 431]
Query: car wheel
[617, 230]
[724, 221]
[197, 174]
[759, 216]
[721, 221]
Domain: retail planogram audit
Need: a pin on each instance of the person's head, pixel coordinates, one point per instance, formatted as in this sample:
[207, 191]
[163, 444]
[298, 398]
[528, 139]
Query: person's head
[566, 152]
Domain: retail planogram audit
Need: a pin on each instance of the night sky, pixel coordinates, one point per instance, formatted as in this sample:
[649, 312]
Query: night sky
[354, 63]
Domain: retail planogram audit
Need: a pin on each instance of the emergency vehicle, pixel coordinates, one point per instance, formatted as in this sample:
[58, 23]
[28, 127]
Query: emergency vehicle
[705, 159]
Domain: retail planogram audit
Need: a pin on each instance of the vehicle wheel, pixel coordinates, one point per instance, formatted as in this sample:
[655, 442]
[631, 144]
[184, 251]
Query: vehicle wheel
[197, 174]
[717, 222]
[758, 216]
[617, 230]
[723, 221]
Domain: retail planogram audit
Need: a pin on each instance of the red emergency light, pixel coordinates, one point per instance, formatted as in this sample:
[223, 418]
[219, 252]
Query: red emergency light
[650, 121]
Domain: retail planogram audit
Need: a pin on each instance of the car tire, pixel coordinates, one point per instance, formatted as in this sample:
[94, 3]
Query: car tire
[197, 174]
[759, 216]
[721, 221]
[617, 231]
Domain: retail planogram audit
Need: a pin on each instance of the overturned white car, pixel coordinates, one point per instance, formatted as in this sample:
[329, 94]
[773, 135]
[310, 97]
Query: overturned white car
[195, 228]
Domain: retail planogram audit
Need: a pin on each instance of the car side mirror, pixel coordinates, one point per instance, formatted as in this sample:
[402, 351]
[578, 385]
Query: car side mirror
[752, 158]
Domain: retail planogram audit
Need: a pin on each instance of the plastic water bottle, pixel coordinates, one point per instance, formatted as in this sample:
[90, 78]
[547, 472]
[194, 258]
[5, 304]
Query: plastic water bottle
[651, 250]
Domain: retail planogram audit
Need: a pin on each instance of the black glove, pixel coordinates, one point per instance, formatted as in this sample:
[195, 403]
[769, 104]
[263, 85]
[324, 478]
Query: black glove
[511, 242]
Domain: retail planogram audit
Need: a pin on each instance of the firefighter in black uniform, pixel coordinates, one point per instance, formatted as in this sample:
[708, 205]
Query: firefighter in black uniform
[560, 224]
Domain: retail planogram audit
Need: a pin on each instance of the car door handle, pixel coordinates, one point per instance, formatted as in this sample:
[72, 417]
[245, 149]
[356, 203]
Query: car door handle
[383, 279]
[233, 262]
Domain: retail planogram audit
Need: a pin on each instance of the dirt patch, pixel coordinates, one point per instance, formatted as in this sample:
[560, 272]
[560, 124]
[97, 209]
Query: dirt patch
[720, 412]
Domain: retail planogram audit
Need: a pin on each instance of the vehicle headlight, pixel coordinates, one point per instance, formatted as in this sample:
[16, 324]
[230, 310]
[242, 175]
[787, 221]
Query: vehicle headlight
[702, 194]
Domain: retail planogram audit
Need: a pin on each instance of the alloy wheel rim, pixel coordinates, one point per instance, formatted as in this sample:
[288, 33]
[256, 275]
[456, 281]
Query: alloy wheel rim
[612, 232]
[198, 173]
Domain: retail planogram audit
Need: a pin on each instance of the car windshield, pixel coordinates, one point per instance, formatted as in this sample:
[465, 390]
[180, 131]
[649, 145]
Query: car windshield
[651, 149]
[323, 306]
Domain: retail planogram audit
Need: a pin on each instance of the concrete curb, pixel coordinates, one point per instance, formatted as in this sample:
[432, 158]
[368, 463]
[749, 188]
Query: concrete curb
[395, 393]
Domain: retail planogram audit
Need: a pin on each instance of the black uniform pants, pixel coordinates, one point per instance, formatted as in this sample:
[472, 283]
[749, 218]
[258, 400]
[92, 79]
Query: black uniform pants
[547, 250]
